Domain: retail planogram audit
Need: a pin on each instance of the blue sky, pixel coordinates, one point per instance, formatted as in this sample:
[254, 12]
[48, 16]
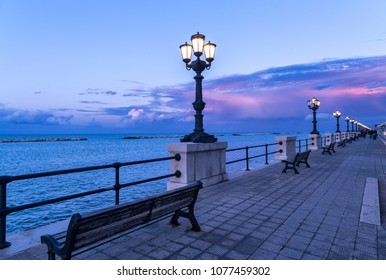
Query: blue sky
[103, 66]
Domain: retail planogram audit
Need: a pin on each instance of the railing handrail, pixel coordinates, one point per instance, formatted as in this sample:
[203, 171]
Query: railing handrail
[8, 179]
[247, 157]
[4, 180]
[251, 147]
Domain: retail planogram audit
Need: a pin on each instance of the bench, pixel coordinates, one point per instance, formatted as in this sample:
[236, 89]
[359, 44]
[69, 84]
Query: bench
[301, 157]
[342, 143]
[329, 148]
[91, 229]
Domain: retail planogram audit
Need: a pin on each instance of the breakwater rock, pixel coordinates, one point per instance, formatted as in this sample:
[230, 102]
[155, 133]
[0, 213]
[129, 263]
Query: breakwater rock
[152, 136]
[55, 139]
[157, 136]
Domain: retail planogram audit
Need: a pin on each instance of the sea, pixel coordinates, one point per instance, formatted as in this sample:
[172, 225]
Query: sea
[19, 158]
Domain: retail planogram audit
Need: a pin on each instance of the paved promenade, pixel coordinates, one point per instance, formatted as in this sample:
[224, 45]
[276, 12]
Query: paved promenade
[267, 214]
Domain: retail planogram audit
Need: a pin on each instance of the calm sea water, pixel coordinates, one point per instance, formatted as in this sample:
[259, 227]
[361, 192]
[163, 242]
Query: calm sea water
[35, 157]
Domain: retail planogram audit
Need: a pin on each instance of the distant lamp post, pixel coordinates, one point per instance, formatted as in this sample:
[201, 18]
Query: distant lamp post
[314, 104]
[352, 125]
[347, 119]
[197, 47]
[337, 116]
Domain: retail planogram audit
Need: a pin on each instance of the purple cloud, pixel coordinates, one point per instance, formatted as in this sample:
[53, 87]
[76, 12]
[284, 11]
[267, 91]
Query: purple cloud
[98, 91]
[272, 99]
[354, 86]
[93, 102]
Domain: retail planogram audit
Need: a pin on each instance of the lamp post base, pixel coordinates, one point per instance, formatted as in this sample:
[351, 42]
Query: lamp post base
[199, 137]
[5, 244]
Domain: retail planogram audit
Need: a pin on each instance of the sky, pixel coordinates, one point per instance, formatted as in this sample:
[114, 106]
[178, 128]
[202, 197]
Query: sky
[114, 66]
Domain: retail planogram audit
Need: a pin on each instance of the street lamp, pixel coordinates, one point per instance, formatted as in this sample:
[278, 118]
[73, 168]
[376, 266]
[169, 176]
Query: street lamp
[314, 104]
[347, 119]
[337, 116]
[352, 125]
[197, 47]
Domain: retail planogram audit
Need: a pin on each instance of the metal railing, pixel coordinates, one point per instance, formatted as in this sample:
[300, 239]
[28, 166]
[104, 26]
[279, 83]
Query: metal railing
[5, 180]
[248, 156]
[300, 145]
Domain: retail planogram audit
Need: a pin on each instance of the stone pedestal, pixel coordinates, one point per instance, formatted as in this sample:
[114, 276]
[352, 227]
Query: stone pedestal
[314, 141]
[287, 145]
[329, 139]
[199, 161]
[338, 137]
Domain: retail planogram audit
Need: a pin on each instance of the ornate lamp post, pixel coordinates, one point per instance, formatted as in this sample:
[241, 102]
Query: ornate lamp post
[337, 116]
[347, 119]
[352, 125]
[198, 46]
[314, 104]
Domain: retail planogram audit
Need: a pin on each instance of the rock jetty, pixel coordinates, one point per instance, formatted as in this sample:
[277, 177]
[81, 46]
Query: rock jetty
[157, 136]
[55, 139]
[152, 136]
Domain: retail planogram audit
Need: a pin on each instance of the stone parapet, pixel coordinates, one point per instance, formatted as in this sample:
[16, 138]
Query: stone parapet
[287, 146]
[338, 137]
[329, 139]
[314, 141]
[199, 161]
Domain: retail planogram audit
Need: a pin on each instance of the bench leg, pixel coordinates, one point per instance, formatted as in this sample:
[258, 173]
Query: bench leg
[51, 255]
[193, 220]
[174, 220]
[190, 216]
[293, 166]
[304, 161]
[286, 166]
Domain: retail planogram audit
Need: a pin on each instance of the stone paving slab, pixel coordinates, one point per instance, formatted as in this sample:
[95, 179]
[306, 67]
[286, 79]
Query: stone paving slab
[370, 212]
[267, 214]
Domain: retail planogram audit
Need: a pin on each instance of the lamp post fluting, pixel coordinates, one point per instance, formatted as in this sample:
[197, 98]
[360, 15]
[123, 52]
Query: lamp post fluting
[314, 104]
[347, 119]
[198, 47]
[337, 114]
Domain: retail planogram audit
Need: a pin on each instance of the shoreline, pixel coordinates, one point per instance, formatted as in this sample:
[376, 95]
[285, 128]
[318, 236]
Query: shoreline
[55, 139]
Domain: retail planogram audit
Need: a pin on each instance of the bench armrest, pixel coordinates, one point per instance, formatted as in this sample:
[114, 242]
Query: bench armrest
[52, 244]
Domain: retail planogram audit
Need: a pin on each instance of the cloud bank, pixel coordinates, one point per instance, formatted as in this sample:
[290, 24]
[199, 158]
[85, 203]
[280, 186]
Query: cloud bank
[269, 100]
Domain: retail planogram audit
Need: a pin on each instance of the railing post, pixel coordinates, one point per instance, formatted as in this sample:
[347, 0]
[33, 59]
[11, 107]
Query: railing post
[300, 145]
[266, 153]
[247, 157]
[117, 185]
[3, 215]
[307, 144]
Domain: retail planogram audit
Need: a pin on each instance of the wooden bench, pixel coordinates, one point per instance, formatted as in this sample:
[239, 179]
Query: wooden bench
[342, 143]
[301, 157]
[90, 229]
[329, 148]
